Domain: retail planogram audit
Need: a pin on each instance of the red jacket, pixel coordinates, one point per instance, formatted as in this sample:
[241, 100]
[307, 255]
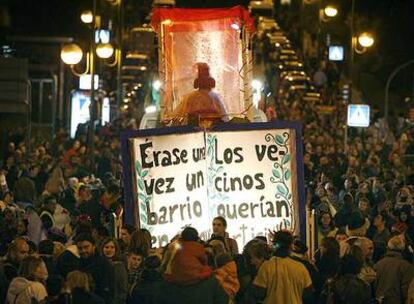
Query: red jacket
[189, 266]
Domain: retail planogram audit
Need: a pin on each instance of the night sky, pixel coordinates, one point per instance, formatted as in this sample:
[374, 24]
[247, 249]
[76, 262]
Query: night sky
[392, 22]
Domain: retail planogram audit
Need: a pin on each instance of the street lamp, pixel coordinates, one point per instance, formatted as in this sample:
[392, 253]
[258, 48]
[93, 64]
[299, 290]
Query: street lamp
[358, 45]
[366, 40]
[361, 43]
[87, 17]
[330, 11]
[71, 54]
[104, 50]
[326, 14]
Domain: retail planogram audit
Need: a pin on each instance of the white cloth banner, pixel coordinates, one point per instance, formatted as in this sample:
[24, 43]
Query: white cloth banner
[248, 176]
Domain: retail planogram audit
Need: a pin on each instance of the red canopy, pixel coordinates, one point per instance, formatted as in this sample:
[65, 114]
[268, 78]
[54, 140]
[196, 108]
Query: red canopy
[185, 14]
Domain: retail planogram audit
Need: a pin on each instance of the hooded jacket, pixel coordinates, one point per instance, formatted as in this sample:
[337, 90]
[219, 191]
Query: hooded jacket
[188, 265]
[23, 291]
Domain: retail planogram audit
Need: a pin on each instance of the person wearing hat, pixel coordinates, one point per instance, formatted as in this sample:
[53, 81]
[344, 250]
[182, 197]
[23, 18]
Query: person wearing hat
[202, 103]
[394, 274]
[282, 279]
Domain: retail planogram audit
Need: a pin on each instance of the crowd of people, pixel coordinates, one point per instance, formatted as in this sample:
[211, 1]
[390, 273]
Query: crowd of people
[60, 203]
[360, 184]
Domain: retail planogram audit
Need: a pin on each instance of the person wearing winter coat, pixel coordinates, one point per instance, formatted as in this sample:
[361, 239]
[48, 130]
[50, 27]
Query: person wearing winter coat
[3, 284]
[226, 275]
[300, 254]
[29, 285]
[78, 289]
[68, 261]
[111, 250]
[394, 274]
[17, 251]
[188, 278]
[347, 287]
[98, 267]
[147, 289]
[343, 215]
[219, 230]
[207, 291]
[188, 264]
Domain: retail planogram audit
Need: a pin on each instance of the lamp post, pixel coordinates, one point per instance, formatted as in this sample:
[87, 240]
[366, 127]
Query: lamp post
[72, 54]
[351, 51]
[364, 40]
[326, 14]
[387, 86]
[358, 45]
[120, 13]
[92, 110]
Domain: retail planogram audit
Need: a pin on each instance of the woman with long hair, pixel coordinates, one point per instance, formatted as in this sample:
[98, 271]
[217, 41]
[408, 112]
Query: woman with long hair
[56, 182]
[111, 250]
[125, 237]
[77, 289]
[30, 284]
[326, 226]
[141, 241]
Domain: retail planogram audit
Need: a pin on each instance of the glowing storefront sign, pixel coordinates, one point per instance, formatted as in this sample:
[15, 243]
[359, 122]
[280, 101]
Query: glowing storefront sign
[85, 82]
[106, 111]
[79, 110]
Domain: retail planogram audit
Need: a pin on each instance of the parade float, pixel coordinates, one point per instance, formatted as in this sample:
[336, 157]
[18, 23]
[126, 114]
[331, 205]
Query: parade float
[187, 172]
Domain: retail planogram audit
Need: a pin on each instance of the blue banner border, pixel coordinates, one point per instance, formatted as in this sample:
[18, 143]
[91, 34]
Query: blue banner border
[130, 212]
